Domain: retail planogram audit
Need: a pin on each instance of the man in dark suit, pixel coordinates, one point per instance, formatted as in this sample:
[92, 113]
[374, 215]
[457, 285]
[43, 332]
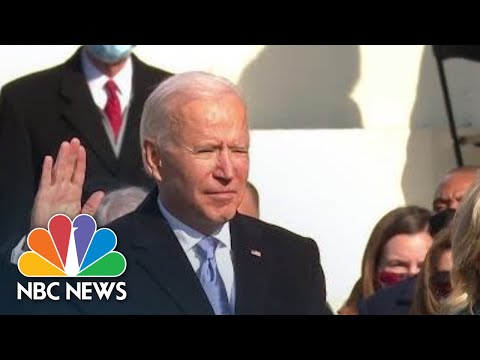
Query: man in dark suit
[188, 250]
[39, 111]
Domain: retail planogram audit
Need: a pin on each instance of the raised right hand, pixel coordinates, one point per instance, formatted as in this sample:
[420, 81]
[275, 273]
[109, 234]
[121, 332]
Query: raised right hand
[61, 183]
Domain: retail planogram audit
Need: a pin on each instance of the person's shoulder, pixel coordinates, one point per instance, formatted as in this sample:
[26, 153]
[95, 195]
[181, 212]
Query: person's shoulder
[149, 70]
[125, 222]
[391, 300]
[33, 81]
[127, 229]
[279, 235]
[146, 215]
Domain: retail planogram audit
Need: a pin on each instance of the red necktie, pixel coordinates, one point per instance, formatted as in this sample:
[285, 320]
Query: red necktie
[113, 109]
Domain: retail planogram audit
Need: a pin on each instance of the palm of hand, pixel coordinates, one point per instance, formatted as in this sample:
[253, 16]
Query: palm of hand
[57, 198]
[60, 188]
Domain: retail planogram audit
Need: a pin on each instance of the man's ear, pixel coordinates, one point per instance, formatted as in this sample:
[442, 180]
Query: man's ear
[152, 160]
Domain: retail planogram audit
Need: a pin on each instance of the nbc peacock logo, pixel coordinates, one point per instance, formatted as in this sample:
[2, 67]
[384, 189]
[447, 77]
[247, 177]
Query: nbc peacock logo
[72, 249]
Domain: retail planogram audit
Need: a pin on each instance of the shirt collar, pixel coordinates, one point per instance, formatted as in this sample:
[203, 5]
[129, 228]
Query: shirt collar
[97, 79]
[189, 237]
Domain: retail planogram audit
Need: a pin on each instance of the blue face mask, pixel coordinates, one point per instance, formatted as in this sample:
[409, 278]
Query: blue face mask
[110, 53]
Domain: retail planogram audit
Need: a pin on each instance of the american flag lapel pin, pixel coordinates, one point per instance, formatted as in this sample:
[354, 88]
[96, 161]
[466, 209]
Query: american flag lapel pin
[255, 253]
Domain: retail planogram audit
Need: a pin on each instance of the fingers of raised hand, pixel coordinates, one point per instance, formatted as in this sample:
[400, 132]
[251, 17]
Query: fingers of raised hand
[46, 177]
[93, 202]
[78, 177]
[65, 163]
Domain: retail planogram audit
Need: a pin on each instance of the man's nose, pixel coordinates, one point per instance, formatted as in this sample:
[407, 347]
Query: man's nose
[454, 204]
[224, 167]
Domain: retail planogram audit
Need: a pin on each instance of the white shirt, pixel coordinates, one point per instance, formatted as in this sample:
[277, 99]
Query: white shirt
[189, 238]
[96, 81]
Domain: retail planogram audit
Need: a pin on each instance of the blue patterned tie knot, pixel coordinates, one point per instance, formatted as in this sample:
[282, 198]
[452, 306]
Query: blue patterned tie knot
[210, 276]
[207, 247]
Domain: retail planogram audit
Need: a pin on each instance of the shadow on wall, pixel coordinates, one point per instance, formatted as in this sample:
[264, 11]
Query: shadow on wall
[429, 153]
[302, 87]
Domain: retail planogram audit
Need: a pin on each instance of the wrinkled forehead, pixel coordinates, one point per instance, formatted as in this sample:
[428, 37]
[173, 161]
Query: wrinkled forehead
[456, 184]
[225, 114]
[180, 97]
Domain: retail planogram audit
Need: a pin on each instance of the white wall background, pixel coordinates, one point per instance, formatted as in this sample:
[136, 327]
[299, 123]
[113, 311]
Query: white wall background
[340, 134]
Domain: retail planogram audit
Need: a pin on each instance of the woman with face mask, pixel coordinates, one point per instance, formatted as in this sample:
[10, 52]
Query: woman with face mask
[395, 251]
[433, 283]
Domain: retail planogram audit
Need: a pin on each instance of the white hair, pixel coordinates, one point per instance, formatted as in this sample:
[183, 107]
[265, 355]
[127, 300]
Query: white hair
[163, 103]
[119, 202]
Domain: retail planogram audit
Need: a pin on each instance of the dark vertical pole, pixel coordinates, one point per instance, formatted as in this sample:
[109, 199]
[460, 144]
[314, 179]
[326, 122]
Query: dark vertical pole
[448, 105]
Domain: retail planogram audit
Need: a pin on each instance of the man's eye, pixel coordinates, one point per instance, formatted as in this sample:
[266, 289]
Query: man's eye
[204, 151]
[241, 150]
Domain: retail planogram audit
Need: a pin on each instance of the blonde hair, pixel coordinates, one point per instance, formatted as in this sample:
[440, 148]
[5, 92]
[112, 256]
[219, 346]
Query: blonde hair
[425, 299]
[465, 255]
[118, 203]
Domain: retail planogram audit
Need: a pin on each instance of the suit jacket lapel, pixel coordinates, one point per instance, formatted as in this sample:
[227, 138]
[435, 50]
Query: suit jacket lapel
[141, 88]
[82, 113]
[252, 264]
[159, 251]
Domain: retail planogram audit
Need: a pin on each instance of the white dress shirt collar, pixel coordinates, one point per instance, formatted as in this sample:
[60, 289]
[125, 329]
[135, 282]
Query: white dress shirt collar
[189, 237]
[96, 81]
